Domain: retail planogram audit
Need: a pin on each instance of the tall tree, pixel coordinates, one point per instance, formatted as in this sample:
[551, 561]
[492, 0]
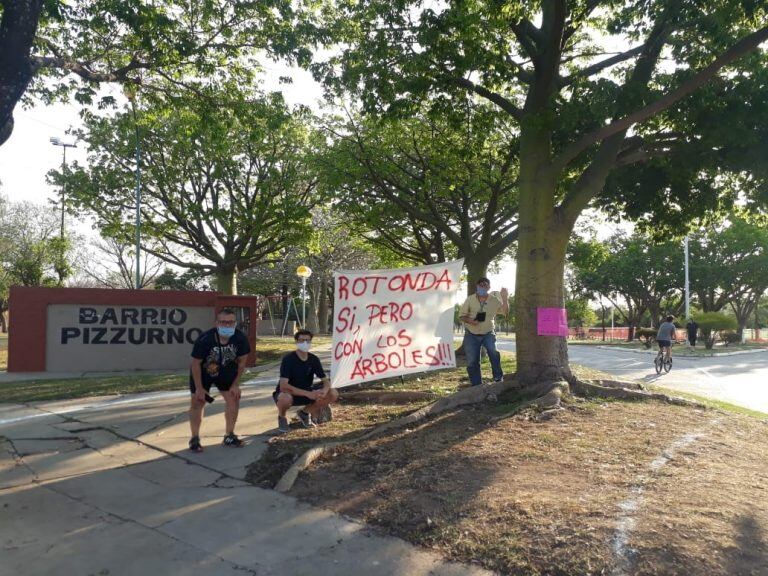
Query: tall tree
[226, 180]
[431, 187]
[584, 113]
[31, 251]
[56, 49]
[729, 265]
[111, 263]
[631, 270]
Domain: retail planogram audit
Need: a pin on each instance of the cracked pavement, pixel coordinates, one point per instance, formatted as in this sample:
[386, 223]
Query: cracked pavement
[106, 487]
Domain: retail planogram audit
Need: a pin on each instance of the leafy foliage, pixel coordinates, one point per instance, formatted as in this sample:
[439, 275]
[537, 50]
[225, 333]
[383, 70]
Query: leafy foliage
[712, 324]
[226, 179]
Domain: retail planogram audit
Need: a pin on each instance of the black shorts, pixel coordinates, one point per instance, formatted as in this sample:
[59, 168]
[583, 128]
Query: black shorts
[664, 344]
[220, 386]
[299, 400]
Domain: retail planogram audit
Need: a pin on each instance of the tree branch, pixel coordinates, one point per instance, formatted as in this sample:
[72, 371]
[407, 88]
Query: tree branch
[742, 47]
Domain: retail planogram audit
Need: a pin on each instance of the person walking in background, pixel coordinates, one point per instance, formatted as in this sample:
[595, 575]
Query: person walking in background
[478, 313]
[693, 330]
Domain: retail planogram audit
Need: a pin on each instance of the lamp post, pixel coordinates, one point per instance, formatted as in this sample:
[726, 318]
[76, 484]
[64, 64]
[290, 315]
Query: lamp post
[130, 93]
[687, 284]
[64, 145]
[304, 272]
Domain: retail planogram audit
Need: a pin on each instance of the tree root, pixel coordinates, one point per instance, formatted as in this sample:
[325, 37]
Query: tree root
[589, 389]
[472, 395]
[547, 401]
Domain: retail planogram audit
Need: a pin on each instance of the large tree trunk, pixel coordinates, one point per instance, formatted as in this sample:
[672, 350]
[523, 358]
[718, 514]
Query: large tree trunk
[541, 247]
[477, 267]
[17, 32]
[226, 281]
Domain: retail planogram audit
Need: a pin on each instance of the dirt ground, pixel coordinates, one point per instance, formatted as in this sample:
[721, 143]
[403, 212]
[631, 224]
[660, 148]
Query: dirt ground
[603, 488]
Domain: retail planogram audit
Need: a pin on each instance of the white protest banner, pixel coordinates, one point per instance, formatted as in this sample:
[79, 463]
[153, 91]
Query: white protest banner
[392, 322]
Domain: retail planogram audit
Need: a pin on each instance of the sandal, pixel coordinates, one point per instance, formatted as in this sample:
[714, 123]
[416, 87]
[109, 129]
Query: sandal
[194, 444]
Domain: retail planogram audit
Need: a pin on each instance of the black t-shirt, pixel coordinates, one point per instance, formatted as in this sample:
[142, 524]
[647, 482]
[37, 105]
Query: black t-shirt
[219, 364]
[301, 373]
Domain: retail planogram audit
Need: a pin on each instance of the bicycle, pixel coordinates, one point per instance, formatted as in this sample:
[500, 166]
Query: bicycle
[662, 362]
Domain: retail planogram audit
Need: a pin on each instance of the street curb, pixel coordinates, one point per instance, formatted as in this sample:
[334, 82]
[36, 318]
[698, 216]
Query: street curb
[678, 356]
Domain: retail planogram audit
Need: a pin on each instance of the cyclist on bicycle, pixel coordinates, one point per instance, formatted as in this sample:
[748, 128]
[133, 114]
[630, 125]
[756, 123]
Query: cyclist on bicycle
[666, 335]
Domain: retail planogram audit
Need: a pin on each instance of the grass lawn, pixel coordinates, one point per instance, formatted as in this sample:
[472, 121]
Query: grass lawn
[526, 497]
[268, 350]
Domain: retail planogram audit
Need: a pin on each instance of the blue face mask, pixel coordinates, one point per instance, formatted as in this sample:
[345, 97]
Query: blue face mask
[482, 291]
[225, 332]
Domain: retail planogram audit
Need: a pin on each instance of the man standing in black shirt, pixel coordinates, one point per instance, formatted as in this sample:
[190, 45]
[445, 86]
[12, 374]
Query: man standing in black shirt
[295, 387]
[693, 329]
[218, 357]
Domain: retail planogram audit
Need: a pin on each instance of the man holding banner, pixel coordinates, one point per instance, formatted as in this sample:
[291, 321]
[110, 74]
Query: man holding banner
[478, 313]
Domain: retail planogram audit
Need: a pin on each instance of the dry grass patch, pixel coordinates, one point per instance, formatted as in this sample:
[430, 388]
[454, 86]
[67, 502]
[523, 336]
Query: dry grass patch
[523, 497]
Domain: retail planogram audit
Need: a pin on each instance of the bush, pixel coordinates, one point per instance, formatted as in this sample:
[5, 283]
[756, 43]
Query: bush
[711, 324]
[647, 335]
[730, 337]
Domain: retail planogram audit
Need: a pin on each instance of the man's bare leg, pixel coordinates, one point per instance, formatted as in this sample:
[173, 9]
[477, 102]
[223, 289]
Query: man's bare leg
[331, 398]
[231, 410]
[195, 416]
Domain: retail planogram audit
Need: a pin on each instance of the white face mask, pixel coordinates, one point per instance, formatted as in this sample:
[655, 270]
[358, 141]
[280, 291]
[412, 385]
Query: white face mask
[304, 346]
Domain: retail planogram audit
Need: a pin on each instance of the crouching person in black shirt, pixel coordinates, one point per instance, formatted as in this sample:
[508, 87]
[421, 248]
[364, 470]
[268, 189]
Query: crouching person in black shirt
[218, 357]
[295, 387]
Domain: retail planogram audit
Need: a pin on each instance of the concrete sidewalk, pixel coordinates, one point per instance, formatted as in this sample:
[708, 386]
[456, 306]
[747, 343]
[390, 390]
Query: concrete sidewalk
[106, 486]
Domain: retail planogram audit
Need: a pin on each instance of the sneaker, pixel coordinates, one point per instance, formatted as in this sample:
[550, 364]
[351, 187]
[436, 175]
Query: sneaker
[497, 380]
[233, 441]
[282, 425]
[305, 418]
[326, 415]
[194, 444]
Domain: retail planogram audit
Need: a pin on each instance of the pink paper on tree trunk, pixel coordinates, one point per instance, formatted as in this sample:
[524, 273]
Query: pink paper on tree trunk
[552, 322]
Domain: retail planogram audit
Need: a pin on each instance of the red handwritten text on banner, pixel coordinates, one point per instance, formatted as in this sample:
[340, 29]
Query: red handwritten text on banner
[393, 322]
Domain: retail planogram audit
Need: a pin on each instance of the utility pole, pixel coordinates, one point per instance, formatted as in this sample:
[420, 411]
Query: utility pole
[687, 284]
[56, 141]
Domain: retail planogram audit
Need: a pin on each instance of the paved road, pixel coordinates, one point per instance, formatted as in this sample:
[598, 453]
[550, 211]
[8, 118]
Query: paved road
[739, 379]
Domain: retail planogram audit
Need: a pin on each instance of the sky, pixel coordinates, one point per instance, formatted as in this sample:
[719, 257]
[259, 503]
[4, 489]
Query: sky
[28, 155]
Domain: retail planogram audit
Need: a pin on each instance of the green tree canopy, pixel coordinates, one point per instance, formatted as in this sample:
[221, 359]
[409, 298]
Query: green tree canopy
[55, 49]
[430, 188]
[226, 179]
[632, 270]
[585, 114]
[729, 265]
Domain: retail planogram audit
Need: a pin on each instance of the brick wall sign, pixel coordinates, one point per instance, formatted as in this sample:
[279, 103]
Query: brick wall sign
[104, 338]
[96, 330]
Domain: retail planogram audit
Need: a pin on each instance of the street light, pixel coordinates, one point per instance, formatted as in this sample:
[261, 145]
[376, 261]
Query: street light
[56, 141]
[687, 284]
[304, 272]
[130, 93]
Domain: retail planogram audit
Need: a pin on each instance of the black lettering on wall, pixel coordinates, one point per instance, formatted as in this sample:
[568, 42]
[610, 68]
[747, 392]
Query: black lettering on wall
[88, 316]
[149, 316]
[67, 333]
[99, 336]
[109, 316]
[193, 335]
[177, 316]
[175, 336]
[134, 339]
[129, 315]
[117, 336]
[155, 336]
